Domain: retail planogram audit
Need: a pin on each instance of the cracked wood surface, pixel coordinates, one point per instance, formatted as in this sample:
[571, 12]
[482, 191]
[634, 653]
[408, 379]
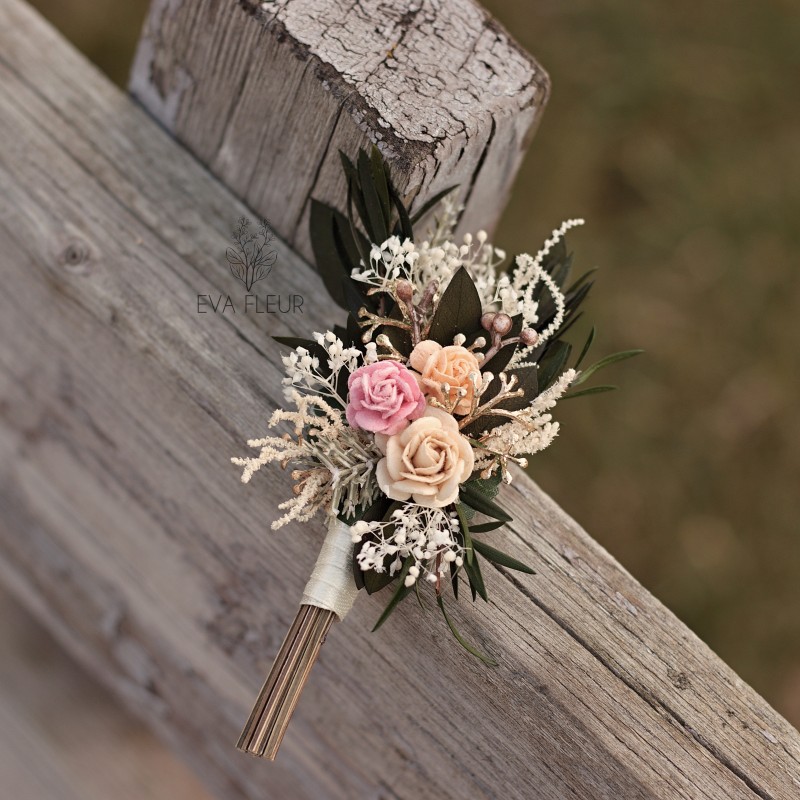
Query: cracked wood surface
[266, 94]
[125, 529]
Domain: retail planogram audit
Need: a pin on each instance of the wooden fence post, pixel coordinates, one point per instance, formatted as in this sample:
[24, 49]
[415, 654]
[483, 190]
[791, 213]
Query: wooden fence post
[126, 530]
[266, 94]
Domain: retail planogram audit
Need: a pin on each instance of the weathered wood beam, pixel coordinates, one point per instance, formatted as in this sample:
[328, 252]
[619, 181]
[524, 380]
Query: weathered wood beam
[63, 739]
[126, 530]
[266, 94]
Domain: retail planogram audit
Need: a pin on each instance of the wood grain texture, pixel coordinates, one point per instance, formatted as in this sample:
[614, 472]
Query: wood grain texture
[62, 737]
[266, 94]
[127, 531]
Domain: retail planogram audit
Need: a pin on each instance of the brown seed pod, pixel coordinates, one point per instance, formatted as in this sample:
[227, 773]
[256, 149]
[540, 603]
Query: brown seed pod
[528, 336]
[487, 320]
[502, 324]
[404, 291]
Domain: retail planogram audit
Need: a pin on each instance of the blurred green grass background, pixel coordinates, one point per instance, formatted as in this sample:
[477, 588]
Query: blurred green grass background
[674, 129]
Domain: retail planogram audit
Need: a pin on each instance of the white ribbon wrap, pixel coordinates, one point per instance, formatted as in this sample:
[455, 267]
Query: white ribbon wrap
[331, 585]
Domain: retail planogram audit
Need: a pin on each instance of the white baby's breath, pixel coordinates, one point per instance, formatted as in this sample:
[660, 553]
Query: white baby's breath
[304, 372]
[529, 431]
[427, 535]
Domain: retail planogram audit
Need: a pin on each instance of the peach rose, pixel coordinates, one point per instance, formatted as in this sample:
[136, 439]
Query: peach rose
[451, 365]
[427, 461]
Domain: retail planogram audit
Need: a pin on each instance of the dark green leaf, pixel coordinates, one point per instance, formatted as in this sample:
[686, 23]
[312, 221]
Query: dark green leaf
[481, 503]
[346, 246]
[454, 579]
[354, 333]
[551, 366]
[352, 181]
[326, 253]
[406, 229]
[585, 350]
[590, 390]
[462, 518]
[375, 581]
[400, 594]
[376, 223]
[459, 310]
[353, 298]
[487, 486]
[568, 323]
[604, 362]
[380, 179]
[499, 557]
[476, 584]
[485, 527]
[461, 640]
[360, 240]
[419, 597]
[583, 278]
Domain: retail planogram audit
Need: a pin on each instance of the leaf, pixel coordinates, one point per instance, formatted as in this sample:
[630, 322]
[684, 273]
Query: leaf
[488, 486]
[406, 228]
[376, 223]
[583, 278]
[560, 271]
[485, 527]
[553, 363]
[400, 594]
[361, 241]
[459, 310]
[590, 390]
[499, 557]
[604, 362]
[454, 578]
[481, 503]
[586, 347]
[568, 323]
[353, 297]
[399, 338]
[375, 581]
[380, 178]
[353, 336]
[344, 239]
[352, 181]
[461, 640]
[429, 204]
[326, 253]
[462, 518]
[473, 571]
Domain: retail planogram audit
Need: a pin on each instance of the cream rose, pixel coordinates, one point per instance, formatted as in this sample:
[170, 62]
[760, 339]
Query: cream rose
[452, 365]
[426, 462]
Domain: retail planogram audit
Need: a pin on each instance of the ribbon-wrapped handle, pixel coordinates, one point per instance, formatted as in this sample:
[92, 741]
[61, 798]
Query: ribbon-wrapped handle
[329, 594]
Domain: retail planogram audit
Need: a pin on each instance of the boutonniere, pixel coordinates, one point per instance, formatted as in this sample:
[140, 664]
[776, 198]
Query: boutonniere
[400, 426]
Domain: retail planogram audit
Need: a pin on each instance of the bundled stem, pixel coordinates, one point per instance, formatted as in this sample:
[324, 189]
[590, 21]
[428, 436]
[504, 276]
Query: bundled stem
[269, 719]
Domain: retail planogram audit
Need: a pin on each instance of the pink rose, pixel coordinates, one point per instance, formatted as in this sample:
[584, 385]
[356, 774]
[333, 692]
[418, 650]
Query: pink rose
[384, 398]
